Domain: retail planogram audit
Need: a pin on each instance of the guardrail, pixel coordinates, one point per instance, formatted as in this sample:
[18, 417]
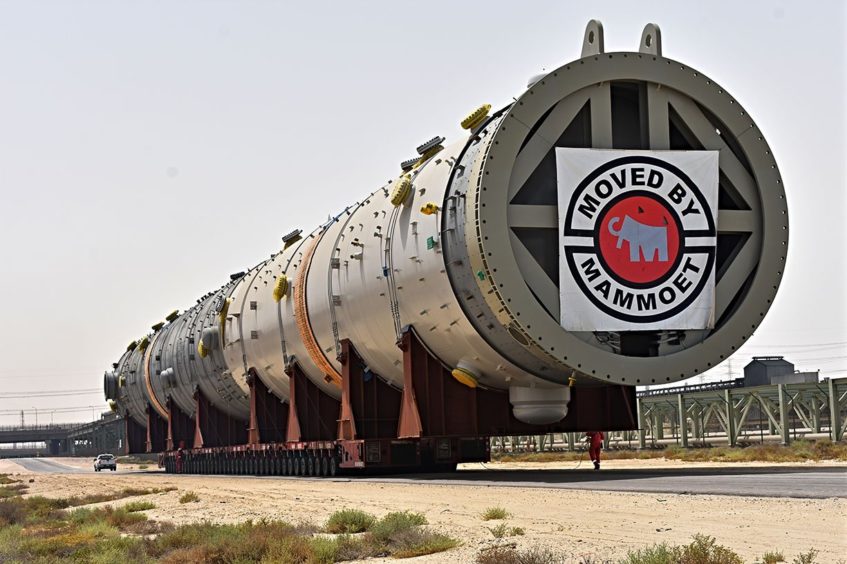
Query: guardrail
[705, 387]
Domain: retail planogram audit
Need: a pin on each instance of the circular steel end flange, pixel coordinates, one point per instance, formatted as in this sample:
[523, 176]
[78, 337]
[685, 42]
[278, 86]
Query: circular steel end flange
[631, 101]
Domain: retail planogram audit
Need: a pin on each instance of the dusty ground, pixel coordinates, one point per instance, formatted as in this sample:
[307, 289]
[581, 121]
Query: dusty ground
[602, 524]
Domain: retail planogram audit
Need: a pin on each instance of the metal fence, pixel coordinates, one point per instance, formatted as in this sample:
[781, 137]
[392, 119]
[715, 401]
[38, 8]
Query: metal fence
[725, 413]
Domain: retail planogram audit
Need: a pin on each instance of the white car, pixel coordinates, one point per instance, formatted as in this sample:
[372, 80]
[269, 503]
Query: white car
[104, 462]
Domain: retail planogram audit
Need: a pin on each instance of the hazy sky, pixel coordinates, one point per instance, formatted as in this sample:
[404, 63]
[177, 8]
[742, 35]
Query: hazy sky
[149, 149]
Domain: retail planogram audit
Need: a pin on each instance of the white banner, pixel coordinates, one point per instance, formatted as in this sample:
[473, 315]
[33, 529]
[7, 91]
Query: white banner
[637, 239]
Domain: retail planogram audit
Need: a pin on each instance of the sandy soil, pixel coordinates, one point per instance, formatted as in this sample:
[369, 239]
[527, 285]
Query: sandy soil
[577, 523]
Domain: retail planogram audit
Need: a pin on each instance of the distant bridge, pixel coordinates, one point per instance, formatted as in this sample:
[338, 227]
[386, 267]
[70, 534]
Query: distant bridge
[104, 435]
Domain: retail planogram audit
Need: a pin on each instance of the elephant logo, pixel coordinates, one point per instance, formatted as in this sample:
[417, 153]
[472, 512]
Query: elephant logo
[638, 239]
[644, 240]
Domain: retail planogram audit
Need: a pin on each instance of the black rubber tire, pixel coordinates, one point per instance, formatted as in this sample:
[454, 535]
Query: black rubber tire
[333, 466]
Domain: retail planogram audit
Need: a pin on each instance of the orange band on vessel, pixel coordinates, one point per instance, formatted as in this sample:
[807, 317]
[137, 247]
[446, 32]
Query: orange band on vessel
[153, 399]
[301, 317]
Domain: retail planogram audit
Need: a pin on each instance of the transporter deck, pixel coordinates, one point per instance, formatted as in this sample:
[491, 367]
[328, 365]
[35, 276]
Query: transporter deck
[374, 428]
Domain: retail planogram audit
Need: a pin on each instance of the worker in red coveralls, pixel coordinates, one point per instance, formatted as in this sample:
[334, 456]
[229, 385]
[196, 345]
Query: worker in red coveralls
[595, 443]
[179, 457]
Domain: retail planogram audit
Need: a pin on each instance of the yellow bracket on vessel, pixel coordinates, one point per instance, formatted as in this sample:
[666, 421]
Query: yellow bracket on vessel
[280, 288]
[172, 315]
[402, 189]
[142, 344]
[429, 208]
[202, 350]
[131, 346]
[464, 377]
[158, 326]
[476, 117]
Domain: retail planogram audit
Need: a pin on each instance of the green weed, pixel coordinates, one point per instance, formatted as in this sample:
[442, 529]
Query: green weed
[134, 506]
[501, 531]
[772, 557]
[38, 529]
[189, 497]
[701, 550]
[395, 523]
[808, 557]
[509, 555]
[349, 521]
[493, 513]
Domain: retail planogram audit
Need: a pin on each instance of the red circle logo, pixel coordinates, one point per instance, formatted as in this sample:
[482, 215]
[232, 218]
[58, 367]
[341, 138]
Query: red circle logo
[638, 239]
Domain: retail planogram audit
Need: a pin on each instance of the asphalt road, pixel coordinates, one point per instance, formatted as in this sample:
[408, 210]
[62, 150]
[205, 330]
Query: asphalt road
[47, 466]
[800, 482]
[782, 481]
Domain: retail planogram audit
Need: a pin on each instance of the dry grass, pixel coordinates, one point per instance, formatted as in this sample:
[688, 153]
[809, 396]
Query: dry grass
[808, 557]
[38, 529]
[511, 555]
[702, 550]
[501, 531]
[349, 521]
[9, 487]
[132, 460]
[120, 494]
[135, 506]
[797, 451]
[400, 534]
[494, 513]
[12, 490]
[189, 497]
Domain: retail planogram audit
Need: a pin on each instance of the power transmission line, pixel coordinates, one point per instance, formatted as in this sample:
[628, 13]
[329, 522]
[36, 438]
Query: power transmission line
[38, 392]
[76, 409]
[24, 395]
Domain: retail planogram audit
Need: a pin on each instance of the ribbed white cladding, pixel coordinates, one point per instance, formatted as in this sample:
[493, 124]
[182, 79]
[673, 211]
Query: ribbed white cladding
[375, 268]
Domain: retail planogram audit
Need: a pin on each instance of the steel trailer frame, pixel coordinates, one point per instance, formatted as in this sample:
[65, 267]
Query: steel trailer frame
[432, 424]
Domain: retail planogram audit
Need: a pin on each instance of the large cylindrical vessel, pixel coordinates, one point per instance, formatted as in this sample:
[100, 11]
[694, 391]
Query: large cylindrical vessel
[466, 246]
